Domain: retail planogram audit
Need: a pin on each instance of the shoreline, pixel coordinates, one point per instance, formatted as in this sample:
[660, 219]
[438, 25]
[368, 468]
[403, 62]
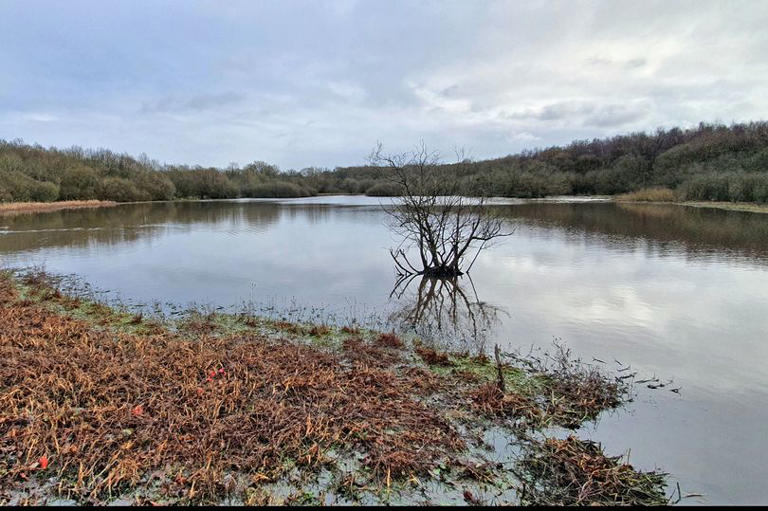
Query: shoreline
[9, 208]
[748, 207]
[15, 208]
[223, 408]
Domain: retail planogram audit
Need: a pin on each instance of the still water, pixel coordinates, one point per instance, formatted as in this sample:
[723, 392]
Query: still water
[676, 293]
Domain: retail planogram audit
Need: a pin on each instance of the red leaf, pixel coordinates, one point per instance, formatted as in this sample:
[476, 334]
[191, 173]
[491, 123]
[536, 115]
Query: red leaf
[137, 410]
[43, 462]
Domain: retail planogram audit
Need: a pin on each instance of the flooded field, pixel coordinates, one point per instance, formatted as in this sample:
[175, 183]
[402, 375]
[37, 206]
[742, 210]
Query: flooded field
[673, 294]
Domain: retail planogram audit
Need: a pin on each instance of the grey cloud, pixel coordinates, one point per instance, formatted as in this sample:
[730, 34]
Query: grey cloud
[583, 113]
[612, 116]
[554, 111]
[302, 83]
[633, 63]
[197, 103]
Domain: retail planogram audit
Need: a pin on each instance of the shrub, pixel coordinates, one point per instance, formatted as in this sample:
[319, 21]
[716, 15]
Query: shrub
[278, 189]
[118, 189]
[44, 191]
[156, 185]
[22, 188]
[384, 190]
[79, 182]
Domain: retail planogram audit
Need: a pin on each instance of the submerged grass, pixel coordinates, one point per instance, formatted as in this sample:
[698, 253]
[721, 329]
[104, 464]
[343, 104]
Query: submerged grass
[97, 404]
[576, 472]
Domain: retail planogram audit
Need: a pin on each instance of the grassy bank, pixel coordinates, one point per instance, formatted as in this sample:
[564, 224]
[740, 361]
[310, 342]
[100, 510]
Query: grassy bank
[667, 196]
[39, 207]
[99, 405]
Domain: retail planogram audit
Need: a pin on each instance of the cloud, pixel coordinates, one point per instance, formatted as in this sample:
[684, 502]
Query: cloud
[197, 103]
[582, 113]
[301, 83]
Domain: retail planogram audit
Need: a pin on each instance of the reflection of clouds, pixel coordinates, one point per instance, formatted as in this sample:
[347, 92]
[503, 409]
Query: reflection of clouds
[671, 291]
[612, 282]
[698, 321]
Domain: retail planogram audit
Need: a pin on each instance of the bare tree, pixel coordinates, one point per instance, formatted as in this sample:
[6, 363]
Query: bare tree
[432, 215]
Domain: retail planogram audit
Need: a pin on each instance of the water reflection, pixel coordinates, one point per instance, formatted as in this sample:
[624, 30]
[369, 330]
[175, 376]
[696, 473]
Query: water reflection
[676, 292]
[444, 311]
[661, 228]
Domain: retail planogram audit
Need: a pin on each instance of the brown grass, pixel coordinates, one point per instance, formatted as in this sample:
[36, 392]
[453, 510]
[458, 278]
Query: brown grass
[105, 411]
[39, 207]
[389, 340]
[358, 351]
[576, 472]
[432, 357]
[649, 195]
[490, 400]
[319, 330]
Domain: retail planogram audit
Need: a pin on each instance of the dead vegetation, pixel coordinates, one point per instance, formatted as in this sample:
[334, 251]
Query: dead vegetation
[106, 411]
[554, 389]
[433, 357]
[577, 472]
[389, 340]
[491, 400]
[200, 414]
[656, 194]
[359, 351]
[39, 207]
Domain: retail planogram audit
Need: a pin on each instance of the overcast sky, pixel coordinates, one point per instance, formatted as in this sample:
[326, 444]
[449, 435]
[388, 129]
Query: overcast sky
[301, 83]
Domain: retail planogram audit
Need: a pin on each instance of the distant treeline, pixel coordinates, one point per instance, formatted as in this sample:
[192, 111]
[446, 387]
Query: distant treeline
[709, 162]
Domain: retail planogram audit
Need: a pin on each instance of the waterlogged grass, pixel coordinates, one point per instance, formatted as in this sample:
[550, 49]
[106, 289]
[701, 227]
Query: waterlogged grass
[103, 405]
[649, 195]
[574, 472]
[667, 196]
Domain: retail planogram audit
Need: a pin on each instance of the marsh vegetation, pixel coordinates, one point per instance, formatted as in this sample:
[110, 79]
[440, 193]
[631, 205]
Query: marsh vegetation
[101, 405]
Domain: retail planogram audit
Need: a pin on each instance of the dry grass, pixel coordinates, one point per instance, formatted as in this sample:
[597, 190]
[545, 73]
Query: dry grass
[105, 411]
[389, 340]
[656, 194]
[38, 207]
[576, 472]
[432, 357]
[748, 207]
[357, 350]
[490, 400]
[198, 415]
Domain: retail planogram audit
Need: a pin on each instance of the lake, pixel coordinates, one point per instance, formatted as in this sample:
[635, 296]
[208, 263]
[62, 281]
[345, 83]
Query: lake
[677, 293]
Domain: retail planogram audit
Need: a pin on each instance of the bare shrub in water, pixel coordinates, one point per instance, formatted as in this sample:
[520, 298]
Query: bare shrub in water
[432, 216]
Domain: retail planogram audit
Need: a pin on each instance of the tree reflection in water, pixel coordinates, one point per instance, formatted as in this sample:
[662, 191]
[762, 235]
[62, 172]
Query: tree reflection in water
[444, 312]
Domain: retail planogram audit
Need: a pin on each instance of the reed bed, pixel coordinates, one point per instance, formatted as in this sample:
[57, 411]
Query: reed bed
[655, 194]
[34, 207]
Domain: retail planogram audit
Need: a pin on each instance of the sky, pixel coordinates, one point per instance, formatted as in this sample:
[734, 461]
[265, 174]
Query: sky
[319, 83]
